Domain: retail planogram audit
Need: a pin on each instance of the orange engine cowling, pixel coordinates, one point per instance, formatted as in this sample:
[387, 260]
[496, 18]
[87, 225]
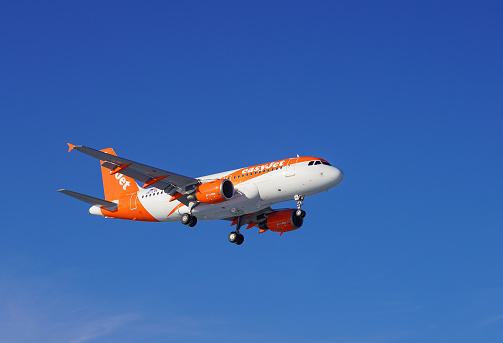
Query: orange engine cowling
[282, 221]
[215, 191]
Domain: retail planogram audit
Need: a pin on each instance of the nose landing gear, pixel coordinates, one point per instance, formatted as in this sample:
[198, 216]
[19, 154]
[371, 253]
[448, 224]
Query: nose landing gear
[299, 199]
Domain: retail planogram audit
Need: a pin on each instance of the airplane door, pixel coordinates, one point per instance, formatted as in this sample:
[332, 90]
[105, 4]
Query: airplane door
[290, 167]
[132, 203]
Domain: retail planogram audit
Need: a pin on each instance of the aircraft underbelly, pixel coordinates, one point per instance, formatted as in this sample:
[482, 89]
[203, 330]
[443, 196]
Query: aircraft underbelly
[246, 200]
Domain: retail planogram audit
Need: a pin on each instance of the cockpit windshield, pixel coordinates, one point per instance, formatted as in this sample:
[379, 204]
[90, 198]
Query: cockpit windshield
[311, 163]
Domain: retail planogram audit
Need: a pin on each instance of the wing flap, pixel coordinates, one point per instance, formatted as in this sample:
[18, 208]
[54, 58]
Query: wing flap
[111, 206]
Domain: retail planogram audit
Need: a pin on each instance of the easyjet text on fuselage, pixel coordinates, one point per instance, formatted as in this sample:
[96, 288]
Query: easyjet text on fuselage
[263, 166]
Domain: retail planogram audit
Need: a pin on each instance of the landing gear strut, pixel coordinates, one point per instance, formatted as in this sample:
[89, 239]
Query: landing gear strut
[188, 219]
[235, 237]
[299, 199]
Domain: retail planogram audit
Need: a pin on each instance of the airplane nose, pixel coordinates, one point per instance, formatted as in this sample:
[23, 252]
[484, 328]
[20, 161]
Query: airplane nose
[336, 177]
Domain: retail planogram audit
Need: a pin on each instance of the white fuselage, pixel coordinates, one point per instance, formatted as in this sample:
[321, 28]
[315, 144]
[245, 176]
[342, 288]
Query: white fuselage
[251, 195]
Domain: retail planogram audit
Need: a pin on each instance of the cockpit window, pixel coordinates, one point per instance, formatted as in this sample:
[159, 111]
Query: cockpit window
[315, 163]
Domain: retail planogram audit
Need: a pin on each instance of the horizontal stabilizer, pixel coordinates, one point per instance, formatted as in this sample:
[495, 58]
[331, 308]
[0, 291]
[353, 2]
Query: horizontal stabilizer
[111, 206]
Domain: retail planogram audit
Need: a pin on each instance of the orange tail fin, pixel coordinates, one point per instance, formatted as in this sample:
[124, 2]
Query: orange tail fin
[116, 184]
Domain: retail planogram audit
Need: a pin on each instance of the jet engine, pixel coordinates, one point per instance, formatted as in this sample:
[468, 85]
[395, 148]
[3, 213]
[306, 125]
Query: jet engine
[214, 192]
[282, 221]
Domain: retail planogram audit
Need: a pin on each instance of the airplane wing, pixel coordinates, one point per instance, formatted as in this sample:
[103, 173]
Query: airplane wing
[90, 200]
[168, 181]
[252, 218]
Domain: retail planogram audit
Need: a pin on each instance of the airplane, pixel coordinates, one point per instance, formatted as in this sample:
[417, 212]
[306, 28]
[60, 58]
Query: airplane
[242, 196]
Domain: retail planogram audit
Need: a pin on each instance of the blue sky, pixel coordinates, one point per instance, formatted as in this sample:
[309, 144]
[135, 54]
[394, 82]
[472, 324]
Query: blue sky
[404, 97]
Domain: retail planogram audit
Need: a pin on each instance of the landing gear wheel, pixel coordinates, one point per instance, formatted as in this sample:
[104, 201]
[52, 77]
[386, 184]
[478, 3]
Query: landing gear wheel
[236, 238]
[233, 237]
[300, 213]
[186, 218]
[193, 221]
[240, 239]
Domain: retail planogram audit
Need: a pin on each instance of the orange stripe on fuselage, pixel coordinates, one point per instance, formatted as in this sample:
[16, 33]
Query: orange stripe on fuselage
[249, 173]
[176, 208]
[124, 210]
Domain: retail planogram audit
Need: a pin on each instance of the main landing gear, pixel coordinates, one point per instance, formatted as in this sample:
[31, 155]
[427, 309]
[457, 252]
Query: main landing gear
[299, 199]
[188, 219]
[235, 237]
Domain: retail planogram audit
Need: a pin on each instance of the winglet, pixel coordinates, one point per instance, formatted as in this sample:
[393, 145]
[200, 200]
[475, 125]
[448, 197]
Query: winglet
[70, 147]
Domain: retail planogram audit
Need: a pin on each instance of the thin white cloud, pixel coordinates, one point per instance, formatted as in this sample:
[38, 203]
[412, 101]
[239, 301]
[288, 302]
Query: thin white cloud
[35, 310]
[103, 327]
[42, 310]
[491, 320]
